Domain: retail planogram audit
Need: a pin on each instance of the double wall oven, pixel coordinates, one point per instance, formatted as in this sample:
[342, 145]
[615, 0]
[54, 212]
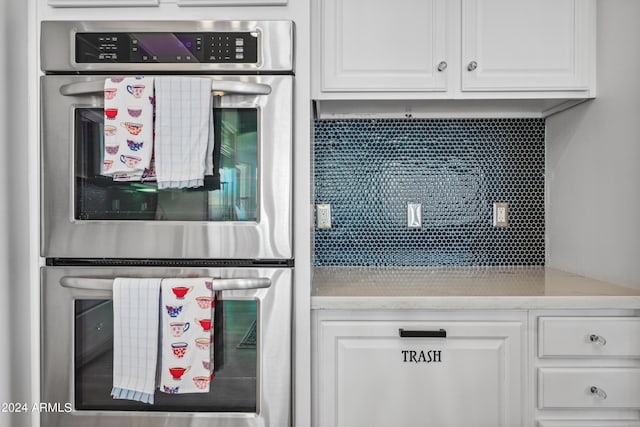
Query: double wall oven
[236, 227]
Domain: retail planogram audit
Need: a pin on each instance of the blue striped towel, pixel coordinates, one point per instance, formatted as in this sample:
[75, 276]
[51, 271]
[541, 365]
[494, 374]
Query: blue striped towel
[135, 338]
[184, 131]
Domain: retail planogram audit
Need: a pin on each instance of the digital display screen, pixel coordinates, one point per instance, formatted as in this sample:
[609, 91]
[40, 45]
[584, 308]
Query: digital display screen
[164, 44]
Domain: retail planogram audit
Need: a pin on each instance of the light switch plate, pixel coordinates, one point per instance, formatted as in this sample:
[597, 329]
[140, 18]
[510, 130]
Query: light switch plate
[414, 215]
[501, 214]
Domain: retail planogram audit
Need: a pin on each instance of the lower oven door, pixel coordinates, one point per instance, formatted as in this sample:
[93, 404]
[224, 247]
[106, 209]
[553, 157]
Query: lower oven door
[252, 383]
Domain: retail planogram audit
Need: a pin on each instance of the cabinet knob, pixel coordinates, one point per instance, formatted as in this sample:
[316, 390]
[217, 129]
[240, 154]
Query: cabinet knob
[472, 66]
[598, 392]
[597, 339]
[442, 66]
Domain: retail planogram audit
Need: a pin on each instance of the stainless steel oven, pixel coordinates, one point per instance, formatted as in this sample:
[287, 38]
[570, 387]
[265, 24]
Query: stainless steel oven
[235, 227]
[253, 358]
[244, 209]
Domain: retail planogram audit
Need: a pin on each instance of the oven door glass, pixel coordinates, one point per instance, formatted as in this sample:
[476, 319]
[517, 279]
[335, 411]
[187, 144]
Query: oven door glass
[233, 389]
[229, 195]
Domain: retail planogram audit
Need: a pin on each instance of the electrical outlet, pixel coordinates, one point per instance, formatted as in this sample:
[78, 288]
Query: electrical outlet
[323, 216]
[501, 214]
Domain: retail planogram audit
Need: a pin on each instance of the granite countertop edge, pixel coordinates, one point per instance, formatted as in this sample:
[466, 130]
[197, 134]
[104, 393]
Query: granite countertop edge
[475, 302]
[482, 288]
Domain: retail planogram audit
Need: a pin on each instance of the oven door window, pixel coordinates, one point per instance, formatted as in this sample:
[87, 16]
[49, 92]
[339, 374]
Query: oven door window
[231, 194]
[233, 389]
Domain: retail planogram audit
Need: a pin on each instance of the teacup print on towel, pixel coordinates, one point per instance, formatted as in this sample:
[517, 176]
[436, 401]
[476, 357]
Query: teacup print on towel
[187, 334]
[128, 128]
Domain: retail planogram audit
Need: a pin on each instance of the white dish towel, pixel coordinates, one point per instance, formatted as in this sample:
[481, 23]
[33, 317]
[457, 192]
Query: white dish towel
[184, 131]
[128, 128]
[187, 335]
[135, 338]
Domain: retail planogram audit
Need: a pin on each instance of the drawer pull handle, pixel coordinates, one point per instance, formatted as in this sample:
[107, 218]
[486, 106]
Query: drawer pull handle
[598, 392]
[423, 334]
[597, 339]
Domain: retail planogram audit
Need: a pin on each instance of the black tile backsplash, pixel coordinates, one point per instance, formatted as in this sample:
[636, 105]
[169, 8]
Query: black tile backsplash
[369, 170]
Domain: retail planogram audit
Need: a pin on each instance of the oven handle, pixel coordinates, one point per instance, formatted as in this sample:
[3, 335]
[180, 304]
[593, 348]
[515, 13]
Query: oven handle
[218, 88]
[96, 284]
[229, 87]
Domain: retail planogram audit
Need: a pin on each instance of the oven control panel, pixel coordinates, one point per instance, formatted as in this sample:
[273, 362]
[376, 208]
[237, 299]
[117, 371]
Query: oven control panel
[164, 47]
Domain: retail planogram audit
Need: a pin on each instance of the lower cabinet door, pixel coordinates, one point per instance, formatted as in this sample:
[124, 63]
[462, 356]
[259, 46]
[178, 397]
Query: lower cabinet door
[370, 376]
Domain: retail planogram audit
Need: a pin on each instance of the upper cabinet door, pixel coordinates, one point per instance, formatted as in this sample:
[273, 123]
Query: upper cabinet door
[382, 45]
[122, 3]
[525, 45]
[101, 3]
[231, 2]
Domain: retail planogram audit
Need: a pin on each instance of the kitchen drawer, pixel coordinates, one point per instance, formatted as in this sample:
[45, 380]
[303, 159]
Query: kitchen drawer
[574, 388]
[589, 337]
[589, 423]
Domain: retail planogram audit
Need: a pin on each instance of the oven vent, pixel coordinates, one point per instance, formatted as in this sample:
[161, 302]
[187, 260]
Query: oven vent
[146, 262]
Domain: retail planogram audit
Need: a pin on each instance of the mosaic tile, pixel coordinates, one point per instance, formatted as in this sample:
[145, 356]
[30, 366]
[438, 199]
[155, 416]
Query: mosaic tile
[369, 170]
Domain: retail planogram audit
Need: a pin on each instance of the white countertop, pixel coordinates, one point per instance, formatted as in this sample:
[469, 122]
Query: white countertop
[464, 287]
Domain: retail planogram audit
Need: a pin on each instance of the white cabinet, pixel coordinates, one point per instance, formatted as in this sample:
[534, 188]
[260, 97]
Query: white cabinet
[589, 388]
[588, 423]
[588, 368]
[588, 337]
[525, 45]
[231, 2]
[542, 368]
[454, 49]
[367, 374]
[384, 45]
[125, 3]
[101, 3]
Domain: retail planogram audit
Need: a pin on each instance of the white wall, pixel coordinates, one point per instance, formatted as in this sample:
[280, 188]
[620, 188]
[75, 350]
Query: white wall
[15, 332]
[593, 161]
[4, 207]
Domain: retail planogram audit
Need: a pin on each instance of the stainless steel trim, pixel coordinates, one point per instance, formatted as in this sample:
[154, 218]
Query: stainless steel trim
[275, 45]
[270, 237]
[274, 347]
[94, 283]
[218, 87]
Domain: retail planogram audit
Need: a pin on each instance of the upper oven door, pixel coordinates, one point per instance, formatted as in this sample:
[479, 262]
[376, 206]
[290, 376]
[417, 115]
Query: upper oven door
[242, 212]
